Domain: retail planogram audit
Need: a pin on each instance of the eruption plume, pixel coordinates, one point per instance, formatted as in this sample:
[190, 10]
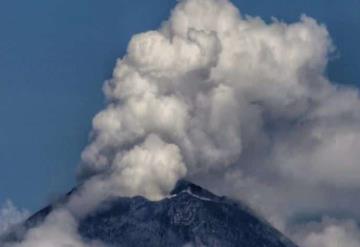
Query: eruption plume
[231, 102]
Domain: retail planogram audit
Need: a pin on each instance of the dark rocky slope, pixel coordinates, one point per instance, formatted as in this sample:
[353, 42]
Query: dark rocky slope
[189, 216]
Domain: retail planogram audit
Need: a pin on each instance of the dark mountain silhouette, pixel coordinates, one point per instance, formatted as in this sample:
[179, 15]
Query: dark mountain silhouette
[190, 216]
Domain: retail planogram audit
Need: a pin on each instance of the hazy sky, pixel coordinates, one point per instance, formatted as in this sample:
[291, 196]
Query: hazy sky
[55, 55]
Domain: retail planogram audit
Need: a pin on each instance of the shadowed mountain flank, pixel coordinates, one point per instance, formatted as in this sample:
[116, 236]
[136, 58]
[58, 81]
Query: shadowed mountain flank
[190, 215]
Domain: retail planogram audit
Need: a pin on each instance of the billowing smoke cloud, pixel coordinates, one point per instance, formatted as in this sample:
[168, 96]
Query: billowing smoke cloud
[150, 169]
[242, 99]
[233, 103]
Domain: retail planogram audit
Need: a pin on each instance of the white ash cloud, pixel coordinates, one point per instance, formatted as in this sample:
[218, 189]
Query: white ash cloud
[130, 175]
[231, 102]
[235, 95]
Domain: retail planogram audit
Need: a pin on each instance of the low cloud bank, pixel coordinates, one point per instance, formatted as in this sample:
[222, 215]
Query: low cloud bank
[10, 216]
[328, 233]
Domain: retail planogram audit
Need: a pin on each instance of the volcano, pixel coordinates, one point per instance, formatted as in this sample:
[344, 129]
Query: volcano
[189, 216]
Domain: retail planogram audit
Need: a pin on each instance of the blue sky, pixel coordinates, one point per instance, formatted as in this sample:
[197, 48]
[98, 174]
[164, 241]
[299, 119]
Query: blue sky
[55, 55]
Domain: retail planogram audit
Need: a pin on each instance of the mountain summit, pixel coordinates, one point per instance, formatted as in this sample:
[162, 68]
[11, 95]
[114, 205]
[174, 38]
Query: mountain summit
[189, 216]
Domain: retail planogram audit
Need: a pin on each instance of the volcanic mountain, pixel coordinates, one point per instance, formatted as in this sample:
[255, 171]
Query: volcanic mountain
[189, 216]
